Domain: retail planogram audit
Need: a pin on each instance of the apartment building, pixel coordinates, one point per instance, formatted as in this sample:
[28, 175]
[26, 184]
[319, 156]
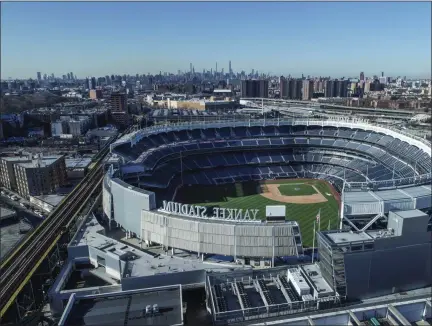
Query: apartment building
[33, 176]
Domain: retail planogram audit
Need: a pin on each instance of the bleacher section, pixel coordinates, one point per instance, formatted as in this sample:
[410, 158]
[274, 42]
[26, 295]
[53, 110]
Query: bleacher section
[365, 159]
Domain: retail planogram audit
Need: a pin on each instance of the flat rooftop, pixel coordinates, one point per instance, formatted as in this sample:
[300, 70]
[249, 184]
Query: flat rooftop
[53, 200]
[409, 312]
[42, 162]
[6, 213]
[146, 261]
[127, 308]
[77, 163]
[349, 236]
[313, 271]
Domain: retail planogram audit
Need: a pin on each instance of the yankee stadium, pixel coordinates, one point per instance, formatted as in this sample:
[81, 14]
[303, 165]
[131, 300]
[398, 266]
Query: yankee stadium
[252, 189]
[265, 219]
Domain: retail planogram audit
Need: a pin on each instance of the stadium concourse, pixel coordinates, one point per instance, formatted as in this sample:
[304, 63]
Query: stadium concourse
[374, 169]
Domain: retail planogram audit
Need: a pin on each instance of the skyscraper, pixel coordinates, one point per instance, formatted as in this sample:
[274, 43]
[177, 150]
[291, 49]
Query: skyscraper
[254, 88]
[308, 87]
[229, 67]
[330, 90]
[295, 89]
[283, 87]
[362, 75]
[93, 83]
[39, 76]
[190, 67]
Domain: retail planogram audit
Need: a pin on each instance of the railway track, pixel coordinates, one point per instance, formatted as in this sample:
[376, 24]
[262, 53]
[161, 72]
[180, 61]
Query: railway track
[16, 269]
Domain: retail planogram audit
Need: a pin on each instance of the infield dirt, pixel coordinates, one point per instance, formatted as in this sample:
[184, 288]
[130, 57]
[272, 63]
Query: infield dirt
[271, 191]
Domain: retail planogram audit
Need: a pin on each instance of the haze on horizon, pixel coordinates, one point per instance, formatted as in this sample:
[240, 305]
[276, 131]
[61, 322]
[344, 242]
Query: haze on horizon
[318, 39]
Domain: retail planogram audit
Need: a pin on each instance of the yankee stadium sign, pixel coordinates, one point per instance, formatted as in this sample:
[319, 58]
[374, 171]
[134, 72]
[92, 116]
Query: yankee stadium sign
[202, 211]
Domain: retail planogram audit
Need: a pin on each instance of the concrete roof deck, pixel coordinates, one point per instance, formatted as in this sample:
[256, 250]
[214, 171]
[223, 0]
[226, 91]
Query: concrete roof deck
[119, 308]
[42, 162]
[313, 272]
[146, 263]
[6, 213]
[349, 236]
[53, 200]
[74, 163]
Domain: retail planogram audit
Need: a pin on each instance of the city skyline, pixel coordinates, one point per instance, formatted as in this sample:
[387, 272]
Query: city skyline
[329, 39]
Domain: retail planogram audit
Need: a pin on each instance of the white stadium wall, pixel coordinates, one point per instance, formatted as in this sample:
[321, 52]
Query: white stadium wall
[231, 239]
[128, 202]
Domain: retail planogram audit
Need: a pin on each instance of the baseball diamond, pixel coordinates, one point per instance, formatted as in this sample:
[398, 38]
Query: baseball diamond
[252, 194]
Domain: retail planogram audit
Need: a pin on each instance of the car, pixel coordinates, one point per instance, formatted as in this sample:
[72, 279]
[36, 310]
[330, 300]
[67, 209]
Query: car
[2, 192]
[14, 198]
[23, 205]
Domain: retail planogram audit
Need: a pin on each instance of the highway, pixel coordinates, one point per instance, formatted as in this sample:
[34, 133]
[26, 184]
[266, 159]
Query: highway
[18, 267]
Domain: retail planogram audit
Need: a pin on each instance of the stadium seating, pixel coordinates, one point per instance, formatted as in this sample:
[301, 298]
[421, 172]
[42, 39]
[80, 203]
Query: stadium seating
[219, 155]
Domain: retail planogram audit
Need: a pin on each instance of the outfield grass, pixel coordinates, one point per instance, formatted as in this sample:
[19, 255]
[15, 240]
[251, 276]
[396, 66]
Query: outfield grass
[246, 195]
[296, 190]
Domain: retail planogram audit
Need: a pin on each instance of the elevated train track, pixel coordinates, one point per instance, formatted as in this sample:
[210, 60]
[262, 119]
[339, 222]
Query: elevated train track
[18, 267]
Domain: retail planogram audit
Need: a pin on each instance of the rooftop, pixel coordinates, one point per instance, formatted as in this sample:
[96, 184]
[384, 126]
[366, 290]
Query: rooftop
[407, 312]
[127, 308]
[143, 262]
[341, 237]
[53, 200]
[77, 163]
[409, 214]
[42, 162]
[6, 213]
[313, 271]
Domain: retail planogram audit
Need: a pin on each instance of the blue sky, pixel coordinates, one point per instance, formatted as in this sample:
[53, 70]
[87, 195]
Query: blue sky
[100, 38]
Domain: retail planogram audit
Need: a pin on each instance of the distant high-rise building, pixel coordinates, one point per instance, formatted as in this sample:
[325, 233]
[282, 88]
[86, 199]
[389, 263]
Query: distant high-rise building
[362, 75]
[330, 88]
[307, 90]
[118, 102]
[295, 89]
[93, 83]
[383, 80]
[340, 88]
[382, 73]
[190, 67]
[254, 88]
[229, 67]
[72, 76]
[283, 87]
[39, 76]
[95, 94]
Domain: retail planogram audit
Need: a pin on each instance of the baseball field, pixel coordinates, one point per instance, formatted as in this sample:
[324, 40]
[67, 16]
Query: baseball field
[302, 197]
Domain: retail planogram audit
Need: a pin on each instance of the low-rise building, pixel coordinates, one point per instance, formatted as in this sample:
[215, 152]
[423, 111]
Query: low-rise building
[7, 175]
[40, 176]
[77, 167]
